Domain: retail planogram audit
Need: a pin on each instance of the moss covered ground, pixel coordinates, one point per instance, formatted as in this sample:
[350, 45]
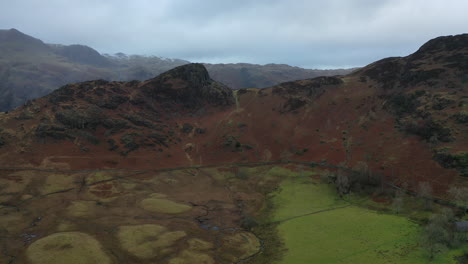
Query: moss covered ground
[155, 203]
[235, 214]
[67, 247]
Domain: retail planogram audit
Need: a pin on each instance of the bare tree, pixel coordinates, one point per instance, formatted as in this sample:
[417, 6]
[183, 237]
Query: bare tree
[424, 192]
[398, 201]
[438, 233]
[362, 173]
[460, 195]
[327, 177]
[343, 183]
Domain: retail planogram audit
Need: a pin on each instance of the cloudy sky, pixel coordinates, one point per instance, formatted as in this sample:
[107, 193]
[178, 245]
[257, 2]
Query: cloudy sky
[306, 33]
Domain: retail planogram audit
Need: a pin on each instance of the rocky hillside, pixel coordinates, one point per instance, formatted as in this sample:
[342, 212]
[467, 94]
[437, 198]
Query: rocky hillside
[405, 118]
[30, 68]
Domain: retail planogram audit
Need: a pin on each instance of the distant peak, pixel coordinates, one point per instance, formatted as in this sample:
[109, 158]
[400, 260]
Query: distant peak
[13, 32]
[82, 54]
[19, 38]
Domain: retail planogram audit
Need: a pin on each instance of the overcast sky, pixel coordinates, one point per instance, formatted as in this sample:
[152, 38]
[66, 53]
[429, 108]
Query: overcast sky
[305, 33]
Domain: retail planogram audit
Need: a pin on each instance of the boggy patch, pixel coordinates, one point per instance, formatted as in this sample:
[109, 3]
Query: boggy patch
[67, 247]
[189, 257]
[239, 246]
[148, 241]
[157, 203]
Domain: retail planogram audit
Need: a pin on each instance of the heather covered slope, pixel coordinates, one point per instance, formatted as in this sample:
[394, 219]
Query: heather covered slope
[404, 117]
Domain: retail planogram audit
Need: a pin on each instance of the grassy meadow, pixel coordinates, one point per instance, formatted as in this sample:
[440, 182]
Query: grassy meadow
[318, 227]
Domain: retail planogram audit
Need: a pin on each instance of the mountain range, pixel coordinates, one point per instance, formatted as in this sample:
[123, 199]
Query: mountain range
[29, 68]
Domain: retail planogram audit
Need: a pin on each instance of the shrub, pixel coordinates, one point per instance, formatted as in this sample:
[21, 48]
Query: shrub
[90, 118]
[248, 222]
[461, 117]
[232, 143]
[113, 102]
[129, 142]
[139, 121]
[112, 145]
[200, 130]
[455, 161]
[159, 139]
[86, 136]
[187, 128]
[428, 129]
[115, 123]
[404, 103]
[53, 131]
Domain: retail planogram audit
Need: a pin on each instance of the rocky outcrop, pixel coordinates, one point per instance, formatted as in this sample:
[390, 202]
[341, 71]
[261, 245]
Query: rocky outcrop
[189, 85]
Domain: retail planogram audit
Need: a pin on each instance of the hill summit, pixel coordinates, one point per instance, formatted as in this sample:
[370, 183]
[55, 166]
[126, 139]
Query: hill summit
[189, 85]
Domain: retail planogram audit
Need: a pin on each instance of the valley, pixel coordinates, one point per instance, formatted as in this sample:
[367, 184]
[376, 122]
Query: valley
[227, 214]
[180, 169]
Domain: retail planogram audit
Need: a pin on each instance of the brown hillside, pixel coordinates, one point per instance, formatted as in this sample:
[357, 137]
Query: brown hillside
[405, 117]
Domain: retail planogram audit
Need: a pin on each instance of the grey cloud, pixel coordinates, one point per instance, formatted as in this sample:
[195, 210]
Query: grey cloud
[334, 33]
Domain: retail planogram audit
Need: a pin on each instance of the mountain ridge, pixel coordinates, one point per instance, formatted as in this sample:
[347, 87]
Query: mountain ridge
[33, 69]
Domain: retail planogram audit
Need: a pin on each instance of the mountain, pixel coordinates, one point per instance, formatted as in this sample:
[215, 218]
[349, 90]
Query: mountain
[81, 54]
[30, 68]
[419, 100]
[182, 169]
[14, 41]
[137, 67]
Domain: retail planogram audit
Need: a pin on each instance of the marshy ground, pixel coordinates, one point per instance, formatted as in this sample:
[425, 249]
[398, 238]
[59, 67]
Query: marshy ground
[263, 214]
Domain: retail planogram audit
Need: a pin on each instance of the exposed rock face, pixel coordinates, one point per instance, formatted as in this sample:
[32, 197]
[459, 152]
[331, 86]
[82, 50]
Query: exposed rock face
[189, 85]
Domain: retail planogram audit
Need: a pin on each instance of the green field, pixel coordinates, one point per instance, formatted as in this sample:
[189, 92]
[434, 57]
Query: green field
[318, 227]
